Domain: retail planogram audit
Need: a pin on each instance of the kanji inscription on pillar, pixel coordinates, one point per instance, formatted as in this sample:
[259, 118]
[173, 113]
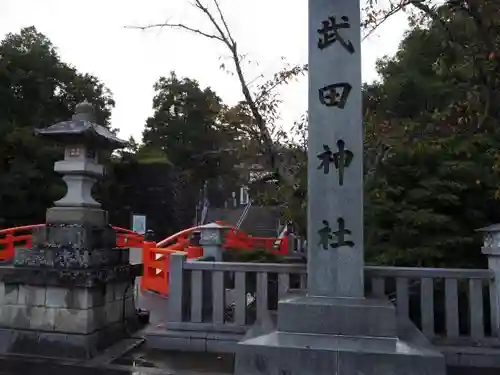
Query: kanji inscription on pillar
[330, 33]
[335, 95]
[325, 235]
[326, 158]
[334, 239]
[342, 160]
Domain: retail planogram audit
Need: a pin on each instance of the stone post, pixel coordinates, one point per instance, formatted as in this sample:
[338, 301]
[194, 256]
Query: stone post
[70, 294]
[212, 239]
[491, 248]
[335, 156]
[333, 328]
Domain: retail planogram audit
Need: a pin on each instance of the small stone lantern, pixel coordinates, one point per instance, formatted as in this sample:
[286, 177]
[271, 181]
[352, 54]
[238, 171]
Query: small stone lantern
[83, 139]
[491, 248]
[212, 239]
[491, 240]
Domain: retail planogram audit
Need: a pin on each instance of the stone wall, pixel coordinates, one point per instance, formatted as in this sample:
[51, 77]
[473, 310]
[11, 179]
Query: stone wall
[84, 316]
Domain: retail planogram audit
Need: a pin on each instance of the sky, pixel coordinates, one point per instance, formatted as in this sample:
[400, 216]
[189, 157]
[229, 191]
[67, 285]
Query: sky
[91, 35]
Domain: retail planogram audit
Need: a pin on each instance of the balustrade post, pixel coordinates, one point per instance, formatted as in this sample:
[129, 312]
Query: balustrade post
[176, 281]
[491, 248]
[10, 246]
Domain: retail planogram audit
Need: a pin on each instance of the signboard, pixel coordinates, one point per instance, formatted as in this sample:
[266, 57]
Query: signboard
[139, 223]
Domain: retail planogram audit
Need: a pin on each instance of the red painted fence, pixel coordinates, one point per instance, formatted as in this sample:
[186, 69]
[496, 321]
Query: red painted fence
[156, 256]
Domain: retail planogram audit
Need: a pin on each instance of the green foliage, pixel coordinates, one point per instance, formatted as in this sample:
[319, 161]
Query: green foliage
[272, 190]
[147, 155]
[188, 127]
[428, 201]
[37, 89]
[438, 178]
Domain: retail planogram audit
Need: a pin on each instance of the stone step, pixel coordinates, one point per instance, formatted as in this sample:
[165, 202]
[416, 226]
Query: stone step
[319, 354]
[352, 316]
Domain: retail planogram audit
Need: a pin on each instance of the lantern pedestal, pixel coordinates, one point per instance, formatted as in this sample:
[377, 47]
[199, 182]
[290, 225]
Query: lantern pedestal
[65, 215]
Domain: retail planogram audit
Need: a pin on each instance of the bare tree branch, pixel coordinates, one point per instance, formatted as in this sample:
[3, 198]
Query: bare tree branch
[261, 132]
[176, 26]
[223, 19]
[394, 9]
[279, 79]
[386, 17]
[223, 36]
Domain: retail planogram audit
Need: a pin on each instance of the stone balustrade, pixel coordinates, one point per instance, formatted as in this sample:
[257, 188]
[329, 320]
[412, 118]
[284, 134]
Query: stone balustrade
[213, 304]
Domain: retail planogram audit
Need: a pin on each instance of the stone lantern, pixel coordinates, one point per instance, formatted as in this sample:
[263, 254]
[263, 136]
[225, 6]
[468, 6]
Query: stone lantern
[83, 139]
[491, 239]
[212, 239]
[491, 248]
[70, 294]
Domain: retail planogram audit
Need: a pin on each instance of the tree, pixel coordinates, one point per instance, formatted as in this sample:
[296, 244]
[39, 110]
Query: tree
[188, 126]
[37, 89]
[440, 179]
[291, 198]
[261, 105]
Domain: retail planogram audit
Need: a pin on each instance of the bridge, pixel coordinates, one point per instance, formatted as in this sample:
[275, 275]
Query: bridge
[216, 303]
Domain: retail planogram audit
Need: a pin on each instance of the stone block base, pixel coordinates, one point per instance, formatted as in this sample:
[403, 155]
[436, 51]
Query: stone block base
[337, 316]
[341, 336]
[285, 353]
[84, 319]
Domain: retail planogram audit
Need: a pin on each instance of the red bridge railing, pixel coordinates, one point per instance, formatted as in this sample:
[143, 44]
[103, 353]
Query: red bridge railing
[155, 255]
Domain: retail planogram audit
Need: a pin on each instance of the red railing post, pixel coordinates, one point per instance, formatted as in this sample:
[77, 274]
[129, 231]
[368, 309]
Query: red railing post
[9, 249]
[146, 263]
[120, 240]
[194, 252]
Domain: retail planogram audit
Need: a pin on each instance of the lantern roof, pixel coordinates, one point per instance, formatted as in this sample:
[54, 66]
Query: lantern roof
[82, 128]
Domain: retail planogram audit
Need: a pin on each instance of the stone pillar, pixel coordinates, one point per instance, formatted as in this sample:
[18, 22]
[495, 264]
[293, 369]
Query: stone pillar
[491, 248]
[335, 156]
[211, 239]
[335, 263]
[333, 328]
[72, 293]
